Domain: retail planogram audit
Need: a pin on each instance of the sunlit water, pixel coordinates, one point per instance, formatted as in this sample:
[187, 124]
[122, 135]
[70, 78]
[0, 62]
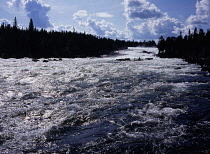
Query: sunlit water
[100, 105]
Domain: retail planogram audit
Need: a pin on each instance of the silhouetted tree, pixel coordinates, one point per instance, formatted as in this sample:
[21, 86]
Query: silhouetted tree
[31, 25]
[18, 43]
[193, 48]
[15, 24]
[161, 45]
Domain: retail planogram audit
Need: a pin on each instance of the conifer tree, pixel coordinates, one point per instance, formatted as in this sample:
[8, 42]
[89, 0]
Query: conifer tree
[15, 25]
[31, 25]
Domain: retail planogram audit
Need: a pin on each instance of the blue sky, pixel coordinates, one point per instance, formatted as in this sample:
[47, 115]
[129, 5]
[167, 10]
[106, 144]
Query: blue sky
[122, 19]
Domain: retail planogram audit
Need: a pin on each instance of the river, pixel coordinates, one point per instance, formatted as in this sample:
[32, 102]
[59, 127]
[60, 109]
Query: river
[101, 105]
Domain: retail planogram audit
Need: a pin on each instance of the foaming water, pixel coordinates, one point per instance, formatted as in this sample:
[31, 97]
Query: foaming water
[100, 105]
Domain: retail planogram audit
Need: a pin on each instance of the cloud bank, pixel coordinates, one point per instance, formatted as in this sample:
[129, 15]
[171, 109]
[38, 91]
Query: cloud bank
[104, 28]
[35, 9]
[101, 28]
[103, 15]
[15, 3]
[145, 20]
[141, 9]
[153, 29]
[202, 13]
[80, 14]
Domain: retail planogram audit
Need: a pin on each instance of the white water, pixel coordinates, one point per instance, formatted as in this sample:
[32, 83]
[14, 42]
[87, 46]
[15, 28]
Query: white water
[37, 98]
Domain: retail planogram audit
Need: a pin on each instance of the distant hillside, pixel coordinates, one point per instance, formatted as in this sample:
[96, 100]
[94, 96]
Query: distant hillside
[34, 43]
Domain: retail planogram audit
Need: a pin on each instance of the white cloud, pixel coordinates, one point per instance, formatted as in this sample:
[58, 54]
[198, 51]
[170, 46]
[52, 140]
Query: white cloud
[141, 9]
[101, 28]
[61, 28]
[104, 28]
[197, 20]
[5, 21]
[152, 29]
[103, 15]
[80, 14]
[16, 3]
[202, 7]
[97, 27]
[202, 13]
[146, 21]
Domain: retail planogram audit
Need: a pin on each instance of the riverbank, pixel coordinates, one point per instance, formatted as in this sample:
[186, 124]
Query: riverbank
[203, 62]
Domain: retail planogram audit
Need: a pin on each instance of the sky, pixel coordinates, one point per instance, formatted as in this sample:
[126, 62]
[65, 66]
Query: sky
[117, 19]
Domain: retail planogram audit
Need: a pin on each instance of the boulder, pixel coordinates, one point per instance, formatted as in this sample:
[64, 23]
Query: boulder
[147, 52]
[148, 58]
[124, 59]
[35, 60]
[45, 61]
[138, 59]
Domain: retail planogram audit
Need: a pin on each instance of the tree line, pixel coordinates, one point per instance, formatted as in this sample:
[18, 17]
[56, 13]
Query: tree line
[39, 43]
[195, 44]
[194, 47]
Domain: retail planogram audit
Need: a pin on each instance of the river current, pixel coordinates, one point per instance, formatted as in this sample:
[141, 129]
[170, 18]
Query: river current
[101, 105]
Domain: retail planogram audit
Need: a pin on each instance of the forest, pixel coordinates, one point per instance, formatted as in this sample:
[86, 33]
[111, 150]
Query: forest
[31, 42]
[194, 47]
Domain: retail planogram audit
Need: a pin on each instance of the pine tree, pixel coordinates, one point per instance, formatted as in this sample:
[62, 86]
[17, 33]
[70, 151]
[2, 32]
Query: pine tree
[161, 44]
[195, 31]
[15, 25]
[31, 25]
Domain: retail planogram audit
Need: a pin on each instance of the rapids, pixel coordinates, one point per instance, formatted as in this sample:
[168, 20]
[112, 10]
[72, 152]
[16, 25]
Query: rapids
[100, 105]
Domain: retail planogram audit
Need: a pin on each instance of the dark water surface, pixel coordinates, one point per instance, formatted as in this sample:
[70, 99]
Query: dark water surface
[100, 105]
